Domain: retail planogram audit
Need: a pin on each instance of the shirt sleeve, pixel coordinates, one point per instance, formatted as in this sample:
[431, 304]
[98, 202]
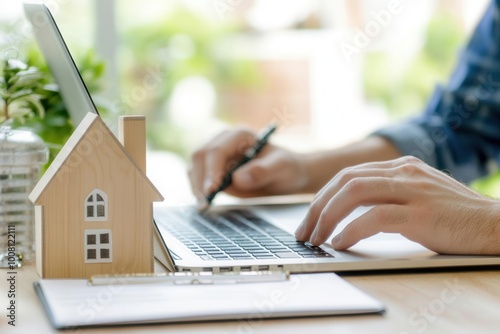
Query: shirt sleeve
[459, 130]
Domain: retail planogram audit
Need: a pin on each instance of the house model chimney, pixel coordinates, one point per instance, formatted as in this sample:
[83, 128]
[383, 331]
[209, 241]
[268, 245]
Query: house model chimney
[132, 135]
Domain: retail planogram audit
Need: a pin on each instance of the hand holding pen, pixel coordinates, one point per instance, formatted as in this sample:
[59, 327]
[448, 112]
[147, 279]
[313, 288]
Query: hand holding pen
[250, 154]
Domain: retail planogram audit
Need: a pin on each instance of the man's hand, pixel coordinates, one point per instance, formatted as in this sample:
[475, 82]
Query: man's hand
[275, 171]
[409, 197]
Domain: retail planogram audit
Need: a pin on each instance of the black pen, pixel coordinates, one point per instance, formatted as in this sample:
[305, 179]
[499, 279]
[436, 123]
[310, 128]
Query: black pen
[249, 155]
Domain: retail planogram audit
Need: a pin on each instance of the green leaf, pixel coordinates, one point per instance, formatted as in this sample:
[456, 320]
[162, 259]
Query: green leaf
[27, 80]
[19, 94]
[34, 101]
[15, 64]
[51, 87]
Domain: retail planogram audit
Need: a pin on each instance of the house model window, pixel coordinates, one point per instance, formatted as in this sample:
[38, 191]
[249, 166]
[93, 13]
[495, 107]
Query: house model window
[98, 246]
[96, 206]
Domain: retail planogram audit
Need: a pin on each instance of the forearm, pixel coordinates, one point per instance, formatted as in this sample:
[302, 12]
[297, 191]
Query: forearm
[322, 166]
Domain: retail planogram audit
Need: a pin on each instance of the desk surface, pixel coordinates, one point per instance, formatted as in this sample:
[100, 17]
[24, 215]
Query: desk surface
[440, 302]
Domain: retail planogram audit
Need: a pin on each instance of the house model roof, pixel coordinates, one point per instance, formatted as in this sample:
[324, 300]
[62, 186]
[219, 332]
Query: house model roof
[60, 163]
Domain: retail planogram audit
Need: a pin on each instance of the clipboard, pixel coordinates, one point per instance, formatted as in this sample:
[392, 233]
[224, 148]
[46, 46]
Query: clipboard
[71, 303]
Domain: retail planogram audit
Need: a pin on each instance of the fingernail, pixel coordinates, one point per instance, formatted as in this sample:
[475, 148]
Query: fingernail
[336, 240]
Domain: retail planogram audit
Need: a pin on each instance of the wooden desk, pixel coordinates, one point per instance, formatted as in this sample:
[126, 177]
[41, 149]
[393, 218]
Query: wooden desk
[441, 302]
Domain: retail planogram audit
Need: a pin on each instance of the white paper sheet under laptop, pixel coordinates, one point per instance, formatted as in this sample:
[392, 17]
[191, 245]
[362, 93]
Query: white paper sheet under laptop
[256, 238]
[75, 303]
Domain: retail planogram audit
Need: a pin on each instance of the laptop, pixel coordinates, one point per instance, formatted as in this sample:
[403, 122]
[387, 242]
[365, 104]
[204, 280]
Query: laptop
[242, 238]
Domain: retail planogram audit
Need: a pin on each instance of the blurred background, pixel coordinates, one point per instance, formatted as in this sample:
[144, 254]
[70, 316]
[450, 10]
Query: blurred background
[328, 71]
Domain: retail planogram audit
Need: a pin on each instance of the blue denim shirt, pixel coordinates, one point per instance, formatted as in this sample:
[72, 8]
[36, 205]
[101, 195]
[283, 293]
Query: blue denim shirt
[459, 130]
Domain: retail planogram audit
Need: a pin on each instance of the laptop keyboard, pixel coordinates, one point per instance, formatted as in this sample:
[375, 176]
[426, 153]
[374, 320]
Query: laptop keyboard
[235, 234]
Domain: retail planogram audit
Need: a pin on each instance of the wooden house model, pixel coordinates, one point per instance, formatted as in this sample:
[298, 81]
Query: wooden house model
[94, 204]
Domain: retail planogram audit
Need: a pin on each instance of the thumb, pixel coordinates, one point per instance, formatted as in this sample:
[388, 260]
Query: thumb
[254, 175]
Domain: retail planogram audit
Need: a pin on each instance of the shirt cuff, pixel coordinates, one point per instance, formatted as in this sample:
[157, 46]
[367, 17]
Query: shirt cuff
[410, 139]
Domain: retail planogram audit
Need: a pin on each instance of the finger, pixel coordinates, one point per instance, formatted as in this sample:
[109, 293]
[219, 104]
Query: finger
[347, 174]
[259, 173]
[334, 186]
[196, 173]
[415, 170]
[357, 192]
[384, 218]
[403, 166]
[322, 198]
[412, 167]
[216, 165]
[222, 154]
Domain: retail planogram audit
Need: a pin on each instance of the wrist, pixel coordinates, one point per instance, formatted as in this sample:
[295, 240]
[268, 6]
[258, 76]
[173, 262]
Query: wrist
[492, 231]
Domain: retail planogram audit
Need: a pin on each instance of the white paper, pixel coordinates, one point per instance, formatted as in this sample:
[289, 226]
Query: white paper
[76, 303]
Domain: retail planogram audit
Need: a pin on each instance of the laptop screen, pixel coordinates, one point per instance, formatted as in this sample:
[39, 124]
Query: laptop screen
[62, 66]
